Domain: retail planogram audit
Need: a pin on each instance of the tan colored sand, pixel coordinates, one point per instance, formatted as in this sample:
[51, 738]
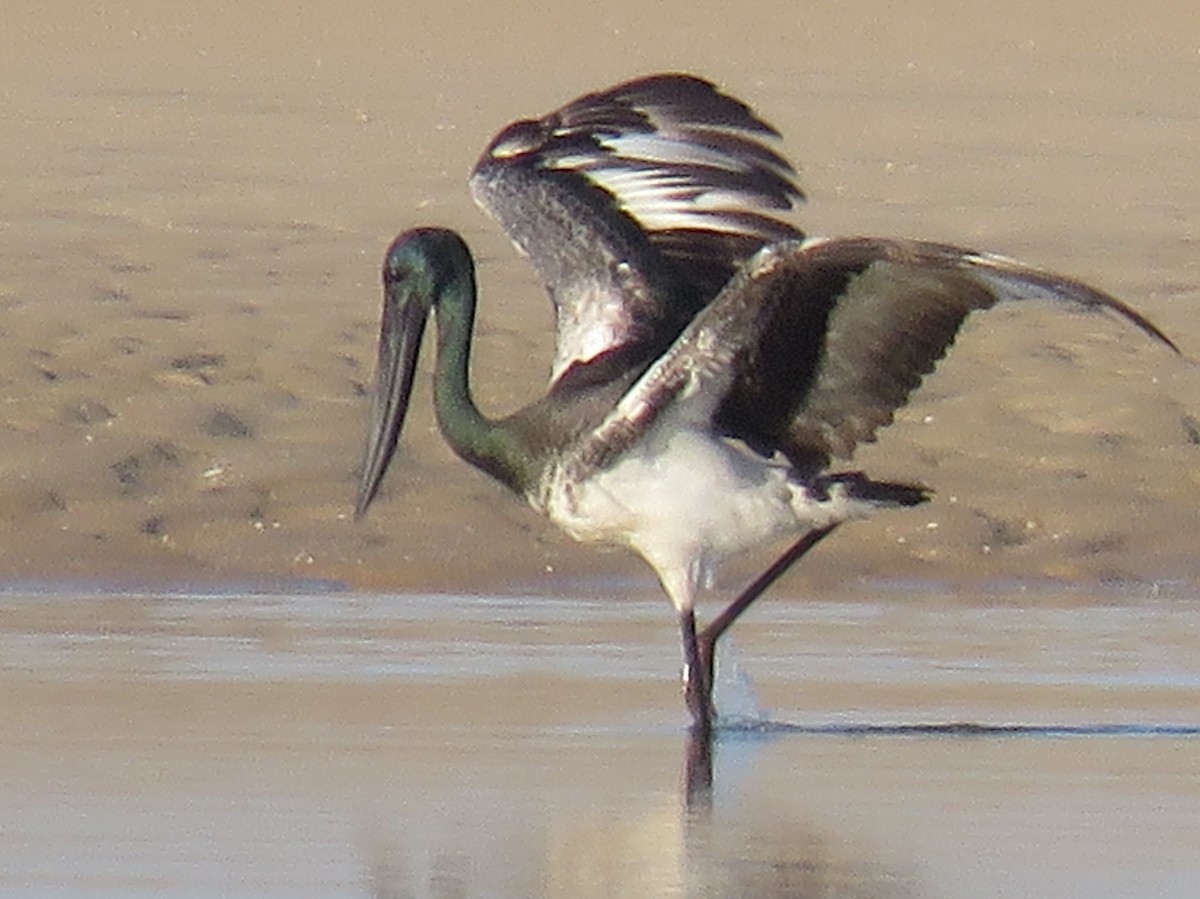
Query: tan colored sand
[193, 204]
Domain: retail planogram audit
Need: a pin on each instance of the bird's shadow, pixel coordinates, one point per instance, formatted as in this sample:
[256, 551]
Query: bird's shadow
[700, 747]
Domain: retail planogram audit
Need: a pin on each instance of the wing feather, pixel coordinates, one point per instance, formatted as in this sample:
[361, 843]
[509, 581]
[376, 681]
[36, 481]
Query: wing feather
[814, 346]
[636, 205]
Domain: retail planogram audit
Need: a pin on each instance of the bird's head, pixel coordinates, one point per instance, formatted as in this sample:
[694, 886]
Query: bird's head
[420, 265]
[422, 268]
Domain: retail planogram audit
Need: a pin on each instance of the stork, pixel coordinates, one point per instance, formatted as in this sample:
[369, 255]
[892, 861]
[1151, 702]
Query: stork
[710, 362]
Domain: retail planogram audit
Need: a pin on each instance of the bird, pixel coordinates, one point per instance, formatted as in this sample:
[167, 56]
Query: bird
[713, 365]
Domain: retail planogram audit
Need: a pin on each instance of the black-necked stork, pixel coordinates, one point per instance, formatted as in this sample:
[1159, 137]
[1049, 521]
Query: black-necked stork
[710, 361]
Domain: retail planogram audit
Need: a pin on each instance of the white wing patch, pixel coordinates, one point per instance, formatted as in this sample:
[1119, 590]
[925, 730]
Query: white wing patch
[588, 326]
[668, 182]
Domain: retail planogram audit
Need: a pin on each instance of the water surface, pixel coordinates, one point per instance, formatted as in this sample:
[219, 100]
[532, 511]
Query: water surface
[332, 744]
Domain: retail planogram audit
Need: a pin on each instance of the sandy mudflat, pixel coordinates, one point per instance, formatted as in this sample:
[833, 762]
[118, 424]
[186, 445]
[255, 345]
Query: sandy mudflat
[193, 205]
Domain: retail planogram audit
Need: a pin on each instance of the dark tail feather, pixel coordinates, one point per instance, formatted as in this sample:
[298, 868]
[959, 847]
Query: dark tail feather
[883, 493]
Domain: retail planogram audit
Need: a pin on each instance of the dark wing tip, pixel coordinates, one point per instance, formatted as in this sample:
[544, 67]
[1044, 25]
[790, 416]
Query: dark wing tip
[1145, 324]
[689, 98]
[1009, 277]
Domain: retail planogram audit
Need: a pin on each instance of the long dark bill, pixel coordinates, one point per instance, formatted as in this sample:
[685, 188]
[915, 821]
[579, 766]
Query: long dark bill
[400, 332]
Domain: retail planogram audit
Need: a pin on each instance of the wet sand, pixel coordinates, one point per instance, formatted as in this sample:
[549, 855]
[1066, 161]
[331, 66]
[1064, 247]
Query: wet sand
[200, 696]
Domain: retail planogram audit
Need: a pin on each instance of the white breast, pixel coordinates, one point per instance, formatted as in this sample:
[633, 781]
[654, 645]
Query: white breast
[685, 500]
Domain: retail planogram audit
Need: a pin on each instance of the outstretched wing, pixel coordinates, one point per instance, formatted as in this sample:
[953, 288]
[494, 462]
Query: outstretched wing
[636, 205]
[812, 348]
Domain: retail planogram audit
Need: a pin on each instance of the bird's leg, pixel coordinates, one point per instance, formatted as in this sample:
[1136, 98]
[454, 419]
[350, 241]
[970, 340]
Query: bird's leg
[698, 772]
[706, 640]
[697, 678]
[699, 649]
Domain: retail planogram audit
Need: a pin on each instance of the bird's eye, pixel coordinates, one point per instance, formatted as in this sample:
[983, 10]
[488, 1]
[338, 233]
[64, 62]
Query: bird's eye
[399, 271]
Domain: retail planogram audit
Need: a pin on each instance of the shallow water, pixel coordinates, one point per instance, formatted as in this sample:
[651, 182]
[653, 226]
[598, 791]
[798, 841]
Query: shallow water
[334, 744]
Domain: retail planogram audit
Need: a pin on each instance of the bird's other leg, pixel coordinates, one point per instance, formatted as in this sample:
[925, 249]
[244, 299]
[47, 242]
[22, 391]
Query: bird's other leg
[706, 640]
[697, 679]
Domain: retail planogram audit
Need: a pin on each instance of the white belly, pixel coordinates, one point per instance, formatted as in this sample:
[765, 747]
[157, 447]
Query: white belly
[687, 501]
